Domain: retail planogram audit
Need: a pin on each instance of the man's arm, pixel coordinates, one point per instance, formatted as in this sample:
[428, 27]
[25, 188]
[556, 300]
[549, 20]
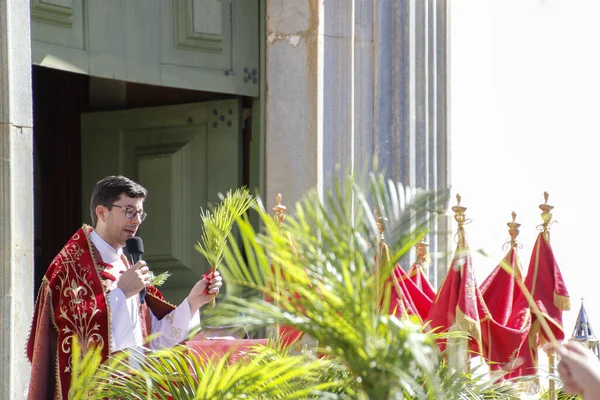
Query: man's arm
[175, 327]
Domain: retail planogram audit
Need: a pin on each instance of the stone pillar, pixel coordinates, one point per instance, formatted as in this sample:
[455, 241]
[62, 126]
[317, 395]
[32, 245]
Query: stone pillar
[319, 55]
[354, 82]
[16, 197]
[294, 132]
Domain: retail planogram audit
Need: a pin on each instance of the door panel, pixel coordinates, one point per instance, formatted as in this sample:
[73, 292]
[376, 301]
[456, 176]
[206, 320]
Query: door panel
[211, 41]
[58, 22]
[184, 155]
[208, 45]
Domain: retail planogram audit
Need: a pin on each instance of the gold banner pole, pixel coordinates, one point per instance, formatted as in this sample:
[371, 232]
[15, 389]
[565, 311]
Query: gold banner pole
[460, 218]
[279, 218]
[547, 220]
[552, 371]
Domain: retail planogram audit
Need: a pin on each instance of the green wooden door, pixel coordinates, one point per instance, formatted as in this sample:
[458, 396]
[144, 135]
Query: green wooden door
[210, 45]
[184, 155]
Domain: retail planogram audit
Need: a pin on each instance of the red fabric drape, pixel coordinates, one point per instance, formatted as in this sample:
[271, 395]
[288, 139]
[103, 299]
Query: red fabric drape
[547, 287]
[401, 302]
[506, 324]
[417, 275]
[458, 300]
[413, 300]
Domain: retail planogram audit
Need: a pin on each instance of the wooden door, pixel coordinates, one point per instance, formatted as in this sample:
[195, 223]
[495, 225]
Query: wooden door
[208, 45]
[184, 155]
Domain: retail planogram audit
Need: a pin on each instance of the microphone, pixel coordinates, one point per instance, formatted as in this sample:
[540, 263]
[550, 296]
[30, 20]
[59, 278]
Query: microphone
[135, 248]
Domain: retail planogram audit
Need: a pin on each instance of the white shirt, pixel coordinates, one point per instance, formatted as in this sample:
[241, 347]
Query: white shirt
[125, 324]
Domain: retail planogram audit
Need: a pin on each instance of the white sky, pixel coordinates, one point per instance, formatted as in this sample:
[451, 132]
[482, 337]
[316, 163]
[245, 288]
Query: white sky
[525, 88]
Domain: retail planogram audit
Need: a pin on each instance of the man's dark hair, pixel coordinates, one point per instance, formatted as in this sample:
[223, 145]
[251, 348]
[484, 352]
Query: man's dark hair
[109, 189]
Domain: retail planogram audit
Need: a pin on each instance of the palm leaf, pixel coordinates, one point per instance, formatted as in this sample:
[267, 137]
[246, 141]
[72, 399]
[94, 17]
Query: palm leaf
[160, 279]
[177, 373]
[218, 222]
[328, 284]
[326, 281]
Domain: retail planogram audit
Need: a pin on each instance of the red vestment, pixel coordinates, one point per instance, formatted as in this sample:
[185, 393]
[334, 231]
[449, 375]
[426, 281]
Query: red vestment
[71, 301]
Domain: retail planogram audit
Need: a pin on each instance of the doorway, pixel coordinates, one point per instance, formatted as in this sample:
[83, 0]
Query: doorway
[59, 100]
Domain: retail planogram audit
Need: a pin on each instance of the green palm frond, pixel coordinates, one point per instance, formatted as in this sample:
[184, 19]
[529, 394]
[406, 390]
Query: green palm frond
[178, 373]
[560, 394]
[323, 278]
[476, 384]
[160, 279]
[329, 285]
[218, 222]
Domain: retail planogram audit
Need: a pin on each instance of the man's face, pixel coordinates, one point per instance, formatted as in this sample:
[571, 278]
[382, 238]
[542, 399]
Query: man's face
[114, 226]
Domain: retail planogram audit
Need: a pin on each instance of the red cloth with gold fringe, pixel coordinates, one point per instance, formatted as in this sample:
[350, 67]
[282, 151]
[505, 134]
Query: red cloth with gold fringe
[407, 297]
[547, 287]
[417, 275]
[458, 303]
[505, 326]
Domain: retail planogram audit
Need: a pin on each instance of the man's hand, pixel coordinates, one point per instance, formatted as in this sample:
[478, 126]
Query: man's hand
[198, 297]
[134, 279]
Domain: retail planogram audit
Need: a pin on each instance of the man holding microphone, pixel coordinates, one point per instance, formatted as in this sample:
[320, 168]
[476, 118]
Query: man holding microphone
[92, 291]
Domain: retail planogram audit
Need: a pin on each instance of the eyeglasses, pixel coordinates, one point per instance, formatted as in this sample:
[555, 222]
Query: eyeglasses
[130, 212]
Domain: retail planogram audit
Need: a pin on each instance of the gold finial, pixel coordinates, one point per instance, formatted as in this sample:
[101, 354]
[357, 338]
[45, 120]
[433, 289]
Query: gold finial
[422, 252]
[546, 214]
[459, 212]
[380, 223]
[513, 229]
[279, 210]
[460, 218]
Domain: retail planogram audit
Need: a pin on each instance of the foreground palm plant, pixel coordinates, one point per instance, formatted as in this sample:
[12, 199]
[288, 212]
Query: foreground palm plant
[338, 286]
[267, 372]
[325, 280]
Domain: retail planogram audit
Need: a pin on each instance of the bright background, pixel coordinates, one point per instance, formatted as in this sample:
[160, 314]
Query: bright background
[525, 81]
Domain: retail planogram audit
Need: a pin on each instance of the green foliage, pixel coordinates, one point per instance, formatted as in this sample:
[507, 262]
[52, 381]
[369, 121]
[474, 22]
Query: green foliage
[323, 278]
[159, 279]
[177, 373]
[217, 224]
[327, 283]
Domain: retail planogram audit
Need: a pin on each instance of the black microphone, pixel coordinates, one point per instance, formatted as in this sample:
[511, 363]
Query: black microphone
[135, 248]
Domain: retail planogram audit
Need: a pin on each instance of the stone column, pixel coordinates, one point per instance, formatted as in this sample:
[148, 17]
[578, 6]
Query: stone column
[353, 82]
[293, 103]
[16, 197]
[294, 131]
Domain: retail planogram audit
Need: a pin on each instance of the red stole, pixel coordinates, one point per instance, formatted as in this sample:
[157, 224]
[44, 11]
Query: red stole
[71, 301]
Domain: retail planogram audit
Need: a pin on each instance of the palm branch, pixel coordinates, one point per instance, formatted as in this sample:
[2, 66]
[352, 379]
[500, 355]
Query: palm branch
[339, 286]
[177, 373]
[334, 290]
[217, 225]
[218, 222]
[160, 279]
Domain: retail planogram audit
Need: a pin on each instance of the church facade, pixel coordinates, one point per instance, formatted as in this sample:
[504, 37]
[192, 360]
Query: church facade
[193, 97]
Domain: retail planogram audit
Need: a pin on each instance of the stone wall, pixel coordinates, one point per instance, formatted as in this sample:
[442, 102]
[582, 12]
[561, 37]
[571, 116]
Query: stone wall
[16, 197]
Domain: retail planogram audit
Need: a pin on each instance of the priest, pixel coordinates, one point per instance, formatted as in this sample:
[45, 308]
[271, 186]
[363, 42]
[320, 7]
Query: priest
[91, 291]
